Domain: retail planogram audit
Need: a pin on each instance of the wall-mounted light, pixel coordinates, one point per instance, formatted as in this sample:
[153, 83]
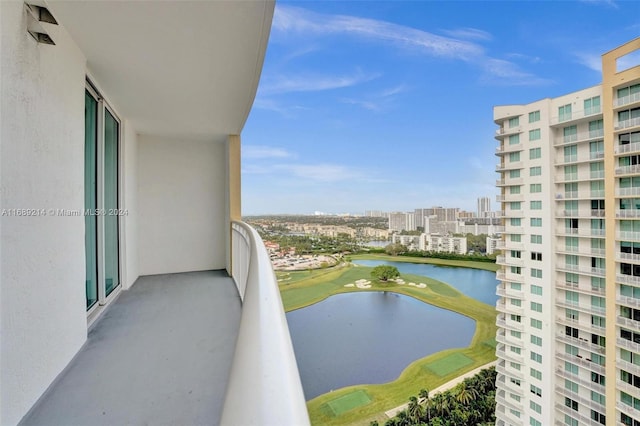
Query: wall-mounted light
[36, 15]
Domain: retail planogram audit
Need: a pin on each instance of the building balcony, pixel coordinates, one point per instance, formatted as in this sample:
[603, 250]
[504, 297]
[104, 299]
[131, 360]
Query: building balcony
[627, 257]
[595, 310]
[582, 419]
[628, 410]
[581, 232]
[584, 213]
[506, 148]
[627, 124]
[507, 402]
[502, 132]
[627, 148]
[626, 100]
[628, 170]
[587, 270]
[581, 251]
[581, 158]
[592, 291]
[628, 192]
[628, 236]
[628, 213]
[508, 325]
[581, 343]
[508, 308]
[501, 167]
[582, 362]
[580, 379]
[578, 137]
[628, 344]
[628, 279]
[509, 181]
[628, 323]
[587, 402]
[580, 115]
[508, 292]
[186, 348]
[631, 302]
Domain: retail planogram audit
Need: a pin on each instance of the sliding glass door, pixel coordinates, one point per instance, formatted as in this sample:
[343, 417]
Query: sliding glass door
[102, 137]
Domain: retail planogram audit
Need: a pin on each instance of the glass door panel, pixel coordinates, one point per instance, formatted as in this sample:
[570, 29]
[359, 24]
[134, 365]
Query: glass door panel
[111, 267]
[90, 199]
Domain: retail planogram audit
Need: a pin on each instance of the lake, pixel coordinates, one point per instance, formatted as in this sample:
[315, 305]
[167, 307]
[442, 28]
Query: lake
[370, 337]
[476, 283]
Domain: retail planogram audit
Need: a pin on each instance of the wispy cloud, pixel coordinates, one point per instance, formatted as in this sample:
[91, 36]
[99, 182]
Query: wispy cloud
[469, 33]
[312, 82]
[294, 19]
[261, 151]
[377, 101]
[371, 106]
[499, 71]
[523, 57]
[590, 60]
[462, 44]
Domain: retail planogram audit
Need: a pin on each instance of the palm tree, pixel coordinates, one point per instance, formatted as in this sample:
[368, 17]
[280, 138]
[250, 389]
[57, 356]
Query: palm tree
[424, 399]
[415, 410]
[465, 393]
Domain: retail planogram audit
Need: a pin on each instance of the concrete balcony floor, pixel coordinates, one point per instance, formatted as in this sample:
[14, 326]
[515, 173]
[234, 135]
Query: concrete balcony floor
[160, 355]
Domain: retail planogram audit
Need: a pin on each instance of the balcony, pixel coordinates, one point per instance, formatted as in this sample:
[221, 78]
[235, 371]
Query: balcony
[628, 279]
[186, 348]
[578, 137]
[587, 402]
[588, 270]
[627, 213]
[628, 236]
[501, 167]
[632, 122]
[627, 148]
[576, 115]
[583, 420]
[582, 362]
[625, 170]
[626, 100]
[628, 344]
[581, 343]
[629, 257]
[628, 301]
[628, 323]
[580, 213]
[501, 132]
[628, 192]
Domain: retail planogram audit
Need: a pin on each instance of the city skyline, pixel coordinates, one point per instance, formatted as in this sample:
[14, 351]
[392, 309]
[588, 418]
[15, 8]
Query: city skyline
[361, 104]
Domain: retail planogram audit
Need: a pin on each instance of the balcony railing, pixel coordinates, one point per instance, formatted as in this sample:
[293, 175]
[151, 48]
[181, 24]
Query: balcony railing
[264, 384]
[632, 122]
[629, 99]
[627, 148]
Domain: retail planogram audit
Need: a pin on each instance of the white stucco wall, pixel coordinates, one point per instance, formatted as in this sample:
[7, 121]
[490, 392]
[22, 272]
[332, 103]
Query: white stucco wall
[129, 225]
[181, 196]
[42, 275]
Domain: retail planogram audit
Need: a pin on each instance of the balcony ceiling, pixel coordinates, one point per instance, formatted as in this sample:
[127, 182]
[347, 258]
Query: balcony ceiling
[174, 68]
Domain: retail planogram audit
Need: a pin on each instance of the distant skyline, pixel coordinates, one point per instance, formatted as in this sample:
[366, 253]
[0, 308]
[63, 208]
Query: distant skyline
[388, 105]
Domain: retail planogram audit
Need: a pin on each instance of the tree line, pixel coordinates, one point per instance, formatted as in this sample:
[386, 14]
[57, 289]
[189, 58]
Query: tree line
[471, 402]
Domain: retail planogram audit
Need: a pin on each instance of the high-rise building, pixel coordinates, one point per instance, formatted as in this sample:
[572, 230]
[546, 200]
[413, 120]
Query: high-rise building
[401, 221]
[569, 312]
[484, 206]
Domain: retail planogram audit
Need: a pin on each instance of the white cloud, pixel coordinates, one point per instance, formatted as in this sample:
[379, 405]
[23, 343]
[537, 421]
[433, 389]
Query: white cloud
[311, 82]
[294, 19]
[608, 3]
[261, 151]
[469, 33]
[304, 22]
[371, 106]
[590, 60]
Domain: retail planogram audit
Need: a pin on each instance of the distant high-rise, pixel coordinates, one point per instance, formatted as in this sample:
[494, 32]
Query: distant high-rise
[568, 341]
[484, 207]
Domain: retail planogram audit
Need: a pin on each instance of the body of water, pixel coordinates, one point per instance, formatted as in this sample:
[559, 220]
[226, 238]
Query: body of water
[476, 283]
[369, 337]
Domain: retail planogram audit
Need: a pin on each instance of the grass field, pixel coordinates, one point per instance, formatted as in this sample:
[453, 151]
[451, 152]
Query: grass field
[348, 406]
[348, 402]
[487, 266]
[448, 365]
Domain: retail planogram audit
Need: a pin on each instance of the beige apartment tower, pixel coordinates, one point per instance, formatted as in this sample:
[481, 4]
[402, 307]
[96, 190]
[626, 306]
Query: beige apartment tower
[568, 341]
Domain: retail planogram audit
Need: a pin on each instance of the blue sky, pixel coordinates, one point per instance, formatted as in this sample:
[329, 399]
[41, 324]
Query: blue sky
[388, 105]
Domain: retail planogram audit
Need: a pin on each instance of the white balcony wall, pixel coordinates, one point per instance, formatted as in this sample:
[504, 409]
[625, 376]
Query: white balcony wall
[129, 222]
[181, 193]
[43, 321]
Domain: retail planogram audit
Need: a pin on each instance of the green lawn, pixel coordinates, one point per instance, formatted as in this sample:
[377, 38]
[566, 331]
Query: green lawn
[487, 266]
[301, 289]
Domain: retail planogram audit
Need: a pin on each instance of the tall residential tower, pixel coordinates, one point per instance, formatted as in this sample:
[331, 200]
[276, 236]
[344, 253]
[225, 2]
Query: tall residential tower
[569, 312]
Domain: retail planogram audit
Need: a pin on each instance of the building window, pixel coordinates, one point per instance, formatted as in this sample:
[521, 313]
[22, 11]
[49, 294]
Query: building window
[516, 270]
[535, 187]
[571, 386]
[536, 323]
[535, 222]
[592, 105]
[515, 221]
[535, 171]
[515, 238]
[536, 390]
[535, 373]
[571, 332]
[536, 239]
[514, 190]
[536, 340]
[536, 273]
[626, 94]
[514, 157]
[596, 128]
[564, 113]
[536, 290]
[536, 307]
[597, 378]
[516, 302]
[514, 139]
[535, 153]
[514, 122]
[535, 205]
[534, 422]
[534, 135]
[571, 403]
[598, 417]
[570, 421]
[598, 321]
[516, 318]
[534, 116]
[514, 174]
[571, 368]
[535, 407]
